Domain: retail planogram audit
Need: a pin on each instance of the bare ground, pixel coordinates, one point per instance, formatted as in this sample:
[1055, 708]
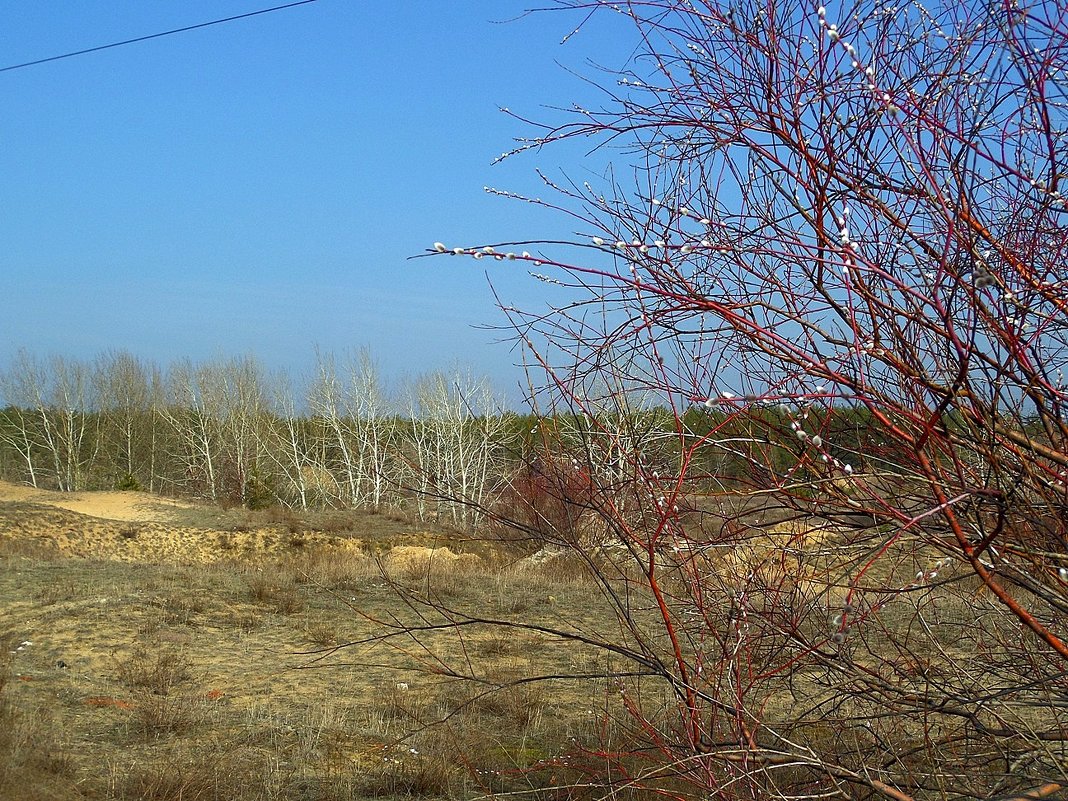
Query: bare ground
[160, 649]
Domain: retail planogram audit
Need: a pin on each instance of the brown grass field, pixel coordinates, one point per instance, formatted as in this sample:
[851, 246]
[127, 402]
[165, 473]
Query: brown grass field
[154, 649]
[168, 651]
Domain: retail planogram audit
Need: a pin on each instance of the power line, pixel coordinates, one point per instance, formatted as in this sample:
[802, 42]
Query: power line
[155, 36]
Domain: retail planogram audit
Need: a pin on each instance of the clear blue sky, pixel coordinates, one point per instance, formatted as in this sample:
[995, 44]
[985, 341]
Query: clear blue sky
[258, 186]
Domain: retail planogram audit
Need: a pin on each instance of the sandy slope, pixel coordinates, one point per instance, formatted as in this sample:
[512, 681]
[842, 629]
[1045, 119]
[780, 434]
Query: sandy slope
[138, 507]
[139, 527]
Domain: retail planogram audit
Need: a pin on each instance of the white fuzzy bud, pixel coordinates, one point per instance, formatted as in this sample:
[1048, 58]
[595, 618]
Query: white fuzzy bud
[439, 247]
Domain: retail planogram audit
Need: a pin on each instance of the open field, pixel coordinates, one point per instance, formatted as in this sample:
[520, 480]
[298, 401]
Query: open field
[153, 649]
[161, 650]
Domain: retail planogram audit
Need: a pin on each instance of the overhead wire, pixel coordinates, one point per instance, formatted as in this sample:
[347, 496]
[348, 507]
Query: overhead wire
[155, 35]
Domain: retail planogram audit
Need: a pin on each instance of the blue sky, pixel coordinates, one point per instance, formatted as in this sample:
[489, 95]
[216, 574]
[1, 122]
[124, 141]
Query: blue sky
[258, 186]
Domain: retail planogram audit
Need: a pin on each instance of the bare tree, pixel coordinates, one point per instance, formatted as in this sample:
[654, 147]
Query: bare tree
[19, 424]
[354, 409]
[290, 447]
[130, 394]
[219, 415]
[455, 436]
[53, 419]
[841, 269]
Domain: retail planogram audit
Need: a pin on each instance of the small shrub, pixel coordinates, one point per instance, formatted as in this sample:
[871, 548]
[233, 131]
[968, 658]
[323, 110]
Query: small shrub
[335, 524]
[323, 633]
[402, 704]
[260, 491]
[521, 705]
[334, 568]
[128, 483]
[157, 671]
[244, 620]
[38, 550]
[155, 716]
[32, 764]
[288, 600]
[180, 609]
[285, 518]
[408, 773]
[278, 592]
[547, 501]
[500, 644]
[57, 592]
[174, 782]
[260, 588]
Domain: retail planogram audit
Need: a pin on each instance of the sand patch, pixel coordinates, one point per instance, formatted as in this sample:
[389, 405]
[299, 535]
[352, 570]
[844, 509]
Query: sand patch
[415, 560]
[139, 507]
[137, 527]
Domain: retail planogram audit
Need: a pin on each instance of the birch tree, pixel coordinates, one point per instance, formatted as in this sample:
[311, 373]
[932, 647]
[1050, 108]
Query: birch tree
[130, 393]
[457, 442]
[56, 413]
[19, 422]
[195, 425]
[291, 446]
[350, 402]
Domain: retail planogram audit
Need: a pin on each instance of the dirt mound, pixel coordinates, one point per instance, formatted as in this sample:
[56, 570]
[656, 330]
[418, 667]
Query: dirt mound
[44, 528]
[415, 559]
[140, 527]
[135, 507]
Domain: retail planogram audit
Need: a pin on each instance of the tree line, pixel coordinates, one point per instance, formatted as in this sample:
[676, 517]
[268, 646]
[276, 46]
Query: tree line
[442, 446]
[229, 431]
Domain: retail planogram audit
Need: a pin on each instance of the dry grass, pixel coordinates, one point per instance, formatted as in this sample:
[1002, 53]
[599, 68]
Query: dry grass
[157, 670]
[267, 674]
[277, 591]
[34, 763]
[156, 680]
[156, 716]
